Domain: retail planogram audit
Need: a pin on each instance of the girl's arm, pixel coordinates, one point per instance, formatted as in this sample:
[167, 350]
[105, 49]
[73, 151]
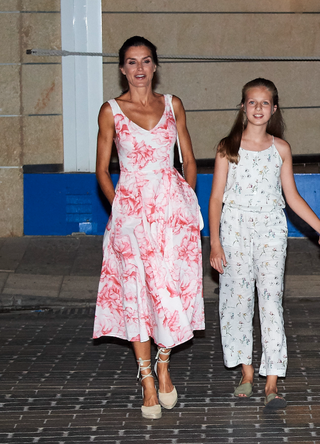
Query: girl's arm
[189, 162]
[217, 256]
[293, 198]
[104, 149]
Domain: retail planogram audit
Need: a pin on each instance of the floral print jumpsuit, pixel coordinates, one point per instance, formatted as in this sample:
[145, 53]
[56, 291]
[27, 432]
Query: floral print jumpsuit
[253, 234]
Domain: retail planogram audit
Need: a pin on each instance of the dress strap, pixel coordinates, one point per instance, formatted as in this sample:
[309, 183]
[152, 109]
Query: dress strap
[115, 107]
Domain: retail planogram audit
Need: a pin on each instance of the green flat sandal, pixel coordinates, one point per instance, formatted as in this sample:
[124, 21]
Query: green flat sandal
[243, 389]
[274, 402]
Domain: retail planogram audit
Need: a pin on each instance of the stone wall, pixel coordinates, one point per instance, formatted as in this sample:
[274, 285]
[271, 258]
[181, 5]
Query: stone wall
[31, 89]
[211, 91]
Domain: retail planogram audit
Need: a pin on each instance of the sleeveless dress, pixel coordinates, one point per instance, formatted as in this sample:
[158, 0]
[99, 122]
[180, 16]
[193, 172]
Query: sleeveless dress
[151, 278]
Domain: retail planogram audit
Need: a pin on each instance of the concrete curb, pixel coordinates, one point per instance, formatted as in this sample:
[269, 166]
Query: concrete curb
[23, 302]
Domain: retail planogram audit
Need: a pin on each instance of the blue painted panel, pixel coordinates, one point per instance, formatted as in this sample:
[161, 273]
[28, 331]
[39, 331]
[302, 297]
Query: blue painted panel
[75, 209]
[309, 188]
[203, 190]
[78, 200]
[61, 203]
[79, 218]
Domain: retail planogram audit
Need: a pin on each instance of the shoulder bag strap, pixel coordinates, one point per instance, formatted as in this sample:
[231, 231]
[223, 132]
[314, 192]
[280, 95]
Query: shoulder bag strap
[178, 141]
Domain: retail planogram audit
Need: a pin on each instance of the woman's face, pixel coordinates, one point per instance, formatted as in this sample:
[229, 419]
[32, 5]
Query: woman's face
[138, 66]
[259, 105]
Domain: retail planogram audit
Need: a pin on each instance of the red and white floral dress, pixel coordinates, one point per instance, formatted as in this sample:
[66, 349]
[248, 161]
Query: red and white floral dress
[151, 278]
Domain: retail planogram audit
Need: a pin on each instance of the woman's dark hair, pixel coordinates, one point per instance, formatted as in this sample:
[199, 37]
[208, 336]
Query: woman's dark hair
[137, 41]
[229, 146]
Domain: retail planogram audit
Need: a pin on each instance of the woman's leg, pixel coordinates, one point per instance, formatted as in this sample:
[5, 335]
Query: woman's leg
[168, 395]
[165, 383]
[143, 350]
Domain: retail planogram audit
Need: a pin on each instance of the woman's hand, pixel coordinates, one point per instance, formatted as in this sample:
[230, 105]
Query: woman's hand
[217, 258]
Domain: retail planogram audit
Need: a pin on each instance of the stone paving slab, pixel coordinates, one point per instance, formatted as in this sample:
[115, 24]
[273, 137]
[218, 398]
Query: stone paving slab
[56, 255]
[33, 285]
[79, 287]
[302, 286]
[3, 279]
[89, 257]
[12, 250]
[303, 257]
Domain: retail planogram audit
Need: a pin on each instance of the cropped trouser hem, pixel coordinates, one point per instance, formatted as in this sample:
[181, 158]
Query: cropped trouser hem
[262, 372]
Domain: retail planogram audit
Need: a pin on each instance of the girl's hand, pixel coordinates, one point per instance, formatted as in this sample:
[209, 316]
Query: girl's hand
[217, 258]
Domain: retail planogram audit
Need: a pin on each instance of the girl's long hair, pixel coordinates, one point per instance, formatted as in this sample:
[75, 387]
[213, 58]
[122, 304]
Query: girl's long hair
[229, 146]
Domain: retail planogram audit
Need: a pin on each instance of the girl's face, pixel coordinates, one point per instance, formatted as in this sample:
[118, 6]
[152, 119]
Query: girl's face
[138, 66]
[259, 105]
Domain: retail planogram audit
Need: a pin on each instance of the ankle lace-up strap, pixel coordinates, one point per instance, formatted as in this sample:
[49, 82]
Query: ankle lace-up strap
[162, 351]
[141, 366]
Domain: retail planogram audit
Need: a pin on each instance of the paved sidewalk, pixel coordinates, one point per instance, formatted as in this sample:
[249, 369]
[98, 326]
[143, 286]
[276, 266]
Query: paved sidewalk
[40, 272]
[57, 386]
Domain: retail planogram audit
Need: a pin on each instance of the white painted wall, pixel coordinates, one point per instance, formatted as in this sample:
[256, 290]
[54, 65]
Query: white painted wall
[82, 85]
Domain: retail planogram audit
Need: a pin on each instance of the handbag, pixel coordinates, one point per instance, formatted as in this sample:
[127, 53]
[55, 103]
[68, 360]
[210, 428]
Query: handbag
[201, 223]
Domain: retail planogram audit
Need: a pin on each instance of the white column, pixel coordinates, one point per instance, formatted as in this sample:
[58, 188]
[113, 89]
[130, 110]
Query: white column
[82, 88]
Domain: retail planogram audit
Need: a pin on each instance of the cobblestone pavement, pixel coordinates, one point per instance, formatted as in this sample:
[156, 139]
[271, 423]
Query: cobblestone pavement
[58, 386]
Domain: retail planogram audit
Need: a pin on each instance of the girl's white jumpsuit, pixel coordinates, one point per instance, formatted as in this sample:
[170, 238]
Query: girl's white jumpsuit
[253, 234]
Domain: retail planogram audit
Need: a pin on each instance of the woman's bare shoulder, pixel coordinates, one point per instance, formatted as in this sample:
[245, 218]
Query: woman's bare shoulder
[105, 118]
[178, 106]
[105, 110]
[176, 101]
[105, 107]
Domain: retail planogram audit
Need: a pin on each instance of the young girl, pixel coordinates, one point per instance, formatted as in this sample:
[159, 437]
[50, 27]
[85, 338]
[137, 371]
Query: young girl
[253, 165]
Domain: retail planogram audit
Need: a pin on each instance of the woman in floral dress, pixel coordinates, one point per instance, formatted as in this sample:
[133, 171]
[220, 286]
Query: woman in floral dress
[253, 165]
[151, 279]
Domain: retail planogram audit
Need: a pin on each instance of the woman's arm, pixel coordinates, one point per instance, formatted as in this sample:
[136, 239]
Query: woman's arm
[217, 256]
[293, 198]
[189, 162]
[104, 149]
